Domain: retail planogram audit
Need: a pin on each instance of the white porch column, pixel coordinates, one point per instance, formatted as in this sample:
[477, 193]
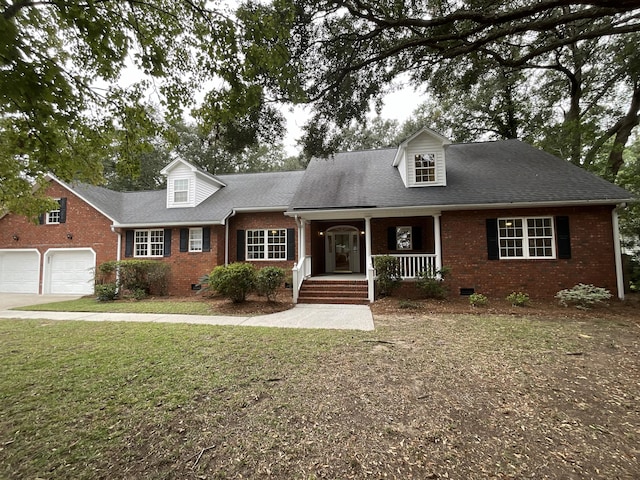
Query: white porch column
[618, 253]
[437, 240]
[368, 261]
[302, 240]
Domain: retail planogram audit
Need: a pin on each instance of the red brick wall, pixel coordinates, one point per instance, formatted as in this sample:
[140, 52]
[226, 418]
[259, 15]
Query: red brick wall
[188, 267]
[249, 221]
[87, 226]
[464, 250]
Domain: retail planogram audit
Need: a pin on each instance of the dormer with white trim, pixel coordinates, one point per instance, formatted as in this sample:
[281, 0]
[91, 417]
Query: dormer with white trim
[420, 159]
[187, 185]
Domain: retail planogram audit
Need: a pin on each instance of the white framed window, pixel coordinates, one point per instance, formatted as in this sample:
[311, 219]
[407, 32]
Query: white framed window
[268, 244]
[53, 217]
[149, 243]
[195, 239]
[181, 190]
[531, 237]
[404, 238]
[425, 165]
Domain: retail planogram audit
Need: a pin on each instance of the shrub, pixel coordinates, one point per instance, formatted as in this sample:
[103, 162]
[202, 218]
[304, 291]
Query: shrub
[583, 296]
[233, 281]
[478, 300]
[518, 299]
[106, 292]
[135, 276]
[387, 274]
[431, 282]
[408, 305]
[268, 281]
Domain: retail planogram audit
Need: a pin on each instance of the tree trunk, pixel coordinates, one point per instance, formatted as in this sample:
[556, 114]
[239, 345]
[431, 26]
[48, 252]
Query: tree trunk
[627, 124]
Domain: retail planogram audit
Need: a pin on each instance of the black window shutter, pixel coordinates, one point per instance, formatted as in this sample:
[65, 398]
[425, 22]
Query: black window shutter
[167, 242]
[492, 239]
[291, 244]
[128, 243]
[184, 239]
[41, 218]
[564, 237]
[416, 233]
[63, 210]
[391, 238]
[240, 245]
[206, 239]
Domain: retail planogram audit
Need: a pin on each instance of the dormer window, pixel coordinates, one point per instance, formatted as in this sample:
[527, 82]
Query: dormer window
[181, 190]
[425, 165]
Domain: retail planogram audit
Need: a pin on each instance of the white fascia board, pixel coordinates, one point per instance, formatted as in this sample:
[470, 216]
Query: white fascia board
[167, 224]
[427, 210]
[402, 147]
[68, 187]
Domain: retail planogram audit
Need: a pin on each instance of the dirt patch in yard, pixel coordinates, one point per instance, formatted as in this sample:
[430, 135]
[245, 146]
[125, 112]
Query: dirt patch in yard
[438, 392]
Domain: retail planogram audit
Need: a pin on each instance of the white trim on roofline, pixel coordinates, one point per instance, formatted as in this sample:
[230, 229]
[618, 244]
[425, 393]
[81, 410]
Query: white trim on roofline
[165, 171]
[414, 210]
[85, 200]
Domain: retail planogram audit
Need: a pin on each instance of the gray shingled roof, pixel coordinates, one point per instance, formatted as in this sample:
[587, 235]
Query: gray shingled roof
[503, 172]
[251, 191]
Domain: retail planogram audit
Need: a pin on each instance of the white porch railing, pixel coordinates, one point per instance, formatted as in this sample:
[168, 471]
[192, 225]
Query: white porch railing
[411, 264]
[301, 270]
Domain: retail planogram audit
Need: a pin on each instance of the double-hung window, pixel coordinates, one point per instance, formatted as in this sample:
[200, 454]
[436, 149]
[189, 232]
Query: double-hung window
[149, 243]
[425, 165]
[195, 239]
[269, 244]
[53, 217]
[526, 237]
[181, 190]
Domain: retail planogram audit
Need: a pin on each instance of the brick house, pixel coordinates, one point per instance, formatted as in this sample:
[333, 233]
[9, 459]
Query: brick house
[503, 216]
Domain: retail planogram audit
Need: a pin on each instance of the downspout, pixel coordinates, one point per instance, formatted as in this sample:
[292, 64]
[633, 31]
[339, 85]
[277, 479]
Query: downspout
[617, 252]
[118, 252]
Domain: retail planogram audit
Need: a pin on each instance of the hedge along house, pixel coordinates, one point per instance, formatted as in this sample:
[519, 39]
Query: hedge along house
[503, 216]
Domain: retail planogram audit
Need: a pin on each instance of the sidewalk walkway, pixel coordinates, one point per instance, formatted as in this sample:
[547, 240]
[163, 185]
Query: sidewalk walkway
[341, 317]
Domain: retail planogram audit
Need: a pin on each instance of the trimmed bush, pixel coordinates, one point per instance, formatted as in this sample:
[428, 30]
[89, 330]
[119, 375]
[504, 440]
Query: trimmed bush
[268, 281]
[106, 292]
[583, 296]
[478, 300]
[518, 299]
[387, 274]
[233, 281]
[431, 282]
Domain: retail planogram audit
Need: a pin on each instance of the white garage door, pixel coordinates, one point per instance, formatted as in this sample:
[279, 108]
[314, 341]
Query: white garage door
[19, 271]
[70, 271]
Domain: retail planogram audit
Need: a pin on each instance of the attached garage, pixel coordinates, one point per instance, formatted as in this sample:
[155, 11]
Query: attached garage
[19, 271]
[69, 271]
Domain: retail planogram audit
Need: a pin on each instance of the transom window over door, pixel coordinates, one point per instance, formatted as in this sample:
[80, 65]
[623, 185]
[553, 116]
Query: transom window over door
[149, 243]
[181, 190]
[425, 165]
[526, 237]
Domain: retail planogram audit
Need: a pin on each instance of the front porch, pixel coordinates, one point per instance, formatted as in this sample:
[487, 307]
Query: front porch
[336, 257]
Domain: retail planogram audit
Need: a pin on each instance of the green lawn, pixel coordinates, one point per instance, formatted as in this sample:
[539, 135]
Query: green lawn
[89, 304]
[450, 396]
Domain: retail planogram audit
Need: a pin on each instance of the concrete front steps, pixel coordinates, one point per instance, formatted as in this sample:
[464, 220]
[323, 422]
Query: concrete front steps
[352, 292]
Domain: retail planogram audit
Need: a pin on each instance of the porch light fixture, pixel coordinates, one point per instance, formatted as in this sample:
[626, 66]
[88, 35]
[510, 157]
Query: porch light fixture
[69, 235]
[321, 233]
[361, 232]
[16, 237]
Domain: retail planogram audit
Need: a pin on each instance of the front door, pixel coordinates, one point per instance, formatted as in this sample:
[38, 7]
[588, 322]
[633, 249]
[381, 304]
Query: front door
[341, 250]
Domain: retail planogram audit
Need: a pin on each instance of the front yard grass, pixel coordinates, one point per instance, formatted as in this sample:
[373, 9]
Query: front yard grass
[424, 396]
[90, 304]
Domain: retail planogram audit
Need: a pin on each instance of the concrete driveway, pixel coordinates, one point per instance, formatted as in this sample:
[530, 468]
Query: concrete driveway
[13, 300]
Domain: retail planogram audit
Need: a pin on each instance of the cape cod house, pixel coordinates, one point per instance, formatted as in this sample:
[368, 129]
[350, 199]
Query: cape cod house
[503, 216]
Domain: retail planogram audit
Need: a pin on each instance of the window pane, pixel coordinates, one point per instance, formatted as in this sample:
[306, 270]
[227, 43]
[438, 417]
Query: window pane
[195, 239]
[180, 190]
[53, 216]
[255, 244]
[425, 166]
[277, 244]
